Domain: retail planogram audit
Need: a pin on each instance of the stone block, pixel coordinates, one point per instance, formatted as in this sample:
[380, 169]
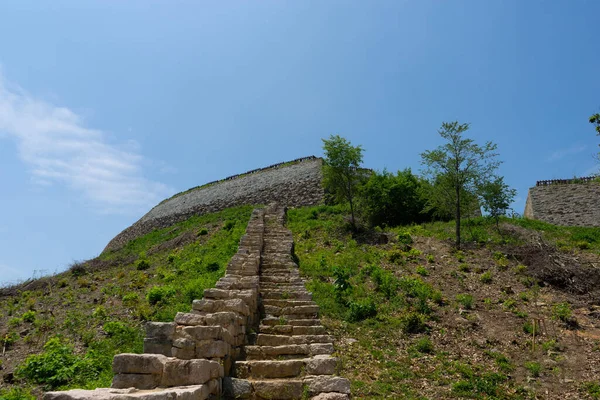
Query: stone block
[212, 349]
[325, 383]
[159, 329]
[237, 388]
[158, 346]
[188, 372]
[128, 363]
[321, 365]
[138, 381]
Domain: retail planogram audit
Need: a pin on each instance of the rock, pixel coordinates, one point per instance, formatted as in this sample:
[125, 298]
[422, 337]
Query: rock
[324, 384]
[188, 372]
[237, 388]
[321, 365]
[128, 363]
[331, 396]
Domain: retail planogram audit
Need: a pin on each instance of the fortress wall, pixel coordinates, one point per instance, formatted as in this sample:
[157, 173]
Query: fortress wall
[574, 204]
[293, 185]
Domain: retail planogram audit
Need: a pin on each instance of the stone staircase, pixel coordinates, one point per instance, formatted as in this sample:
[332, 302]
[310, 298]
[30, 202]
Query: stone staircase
[290, 355]
[255, 336]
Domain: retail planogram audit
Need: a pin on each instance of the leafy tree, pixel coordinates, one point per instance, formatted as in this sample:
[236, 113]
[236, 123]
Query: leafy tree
[595, 119]
[457, 167]
[393, 199]
[341, 171]
[496, 197]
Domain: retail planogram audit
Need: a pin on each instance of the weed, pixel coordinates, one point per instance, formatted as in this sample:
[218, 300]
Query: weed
[534, 368]
[430, 258]
[562, 312]
[159, 293]
[592, 388]
[413, 322]
[464, 267]
[360, 310]
[29, 316]
[421, 270]
[202, 232]
[465, 300]
[142, 265]
[423, 345]
[486, 277]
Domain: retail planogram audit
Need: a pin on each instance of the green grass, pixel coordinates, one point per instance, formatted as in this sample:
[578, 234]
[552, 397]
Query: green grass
[99, 312]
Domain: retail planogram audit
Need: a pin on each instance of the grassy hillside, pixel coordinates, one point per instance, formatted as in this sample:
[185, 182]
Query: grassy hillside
[416, 320]
[62, 331]
[514, 315]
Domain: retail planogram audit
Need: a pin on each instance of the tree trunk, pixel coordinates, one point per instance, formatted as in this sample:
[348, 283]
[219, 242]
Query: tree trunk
[457, 217]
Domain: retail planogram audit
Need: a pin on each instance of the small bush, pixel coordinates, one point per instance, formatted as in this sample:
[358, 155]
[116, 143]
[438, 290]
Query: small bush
[430, 258]
[202, 232]
[15, 321]
[404, 238]
[159, 293]
[99, 313]
[9, 339]
[229, 225]
[562, 312]
[29, 316]
[171, 258]
[464, 267]
[142, 265]
[360, 310]
[421, 270]
[583, 245]
[77, 268]
[413, 323]
[423, 345]
[213, 266]
[486, 277]
[465, 300]
[534, 368]
[130, 299]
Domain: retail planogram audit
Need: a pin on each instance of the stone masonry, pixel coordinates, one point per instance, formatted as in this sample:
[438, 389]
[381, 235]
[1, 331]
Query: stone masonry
[254, 336]
[293, 185]
[575, 204]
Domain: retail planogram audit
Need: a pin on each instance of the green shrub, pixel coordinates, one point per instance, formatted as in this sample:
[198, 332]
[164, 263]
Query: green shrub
[142, 265]
[486, 277]
[9, 339]
[405, 238]
[212, 266]
[171, 258]
[229, 225]
[413, 322]
[99, 313]
[465, 300]
[159, 293]
[423, 345]
[562, 312]
[130, 299]
[385, 282]
[360, 310]
[430, 258]
[464, 267]
[202, 232]
[57, 365]
[14, 322]
[29, 316]
[421, 270]
[583, 245]
[16, 393]
[534, 368]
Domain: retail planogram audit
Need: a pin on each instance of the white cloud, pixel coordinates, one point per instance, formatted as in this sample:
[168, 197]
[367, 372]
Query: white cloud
[560, 154]
[59, 148]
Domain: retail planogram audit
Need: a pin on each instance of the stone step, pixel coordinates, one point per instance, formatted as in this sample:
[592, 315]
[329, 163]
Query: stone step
[265, 339]
[288, 351]
[310, 311]
[334, 388]
[272, 321]
[280, 389]
[279, 279]
[292, 330]
[287, 303]
[283, 286]
[273, 369]
[286, 294]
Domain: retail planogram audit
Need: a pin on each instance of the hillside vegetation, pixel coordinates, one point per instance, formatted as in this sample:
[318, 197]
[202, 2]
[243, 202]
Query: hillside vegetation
[513, 315]
[416, 319]
[62, 331]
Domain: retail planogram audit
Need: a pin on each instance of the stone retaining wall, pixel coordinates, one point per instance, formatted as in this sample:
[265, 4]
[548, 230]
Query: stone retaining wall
[575, 204]
[296, 184]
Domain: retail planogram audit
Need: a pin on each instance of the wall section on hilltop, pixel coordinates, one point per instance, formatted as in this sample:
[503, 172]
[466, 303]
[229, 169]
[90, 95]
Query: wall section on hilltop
[575, 204]
[294, 185]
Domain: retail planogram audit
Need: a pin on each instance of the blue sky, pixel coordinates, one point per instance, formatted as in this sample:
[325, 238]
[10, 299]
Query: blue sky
[108, 107]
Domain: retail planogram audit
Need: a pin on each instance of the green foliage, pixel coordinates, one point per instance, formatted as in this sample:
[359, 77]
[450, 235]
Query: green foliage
[56, 366]
[465, 300]
[562, 312]
[393, 200]
[413, 322]
[534, 368]
[159, 293]
[29, 316]
[496, 197]
[592, 388]
[595, 120]
[502, 361]
[423, 345]
[16, 393]
[361, 309]
[486, 277]
[421, 270]
[385, 282]
[404, 238]
[203, 232]
[341, 170]
[142, 264]
[456, 169]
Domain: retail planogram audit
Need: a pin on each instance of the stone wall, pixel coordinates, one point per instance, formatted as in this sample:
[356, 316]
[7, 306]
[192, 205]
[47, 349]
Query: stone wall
[574, 204]
[290, 184]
